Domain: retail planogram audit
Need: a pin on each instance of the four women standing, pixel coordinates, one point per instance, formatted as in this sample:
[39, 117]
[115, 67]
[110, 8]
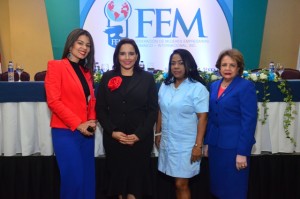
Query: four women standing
[127, 108]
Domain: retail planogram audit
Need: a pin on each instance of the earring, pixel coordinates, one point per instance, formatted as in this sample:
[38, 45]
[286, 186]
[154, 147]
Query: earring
[85, 62]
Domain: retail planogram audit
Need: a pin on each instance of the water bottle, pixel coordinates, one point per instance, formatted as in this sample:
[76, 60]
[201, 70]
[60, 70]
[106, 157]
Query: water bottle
[10, 72]
[97, 68]
[271, 67]
[142, 65]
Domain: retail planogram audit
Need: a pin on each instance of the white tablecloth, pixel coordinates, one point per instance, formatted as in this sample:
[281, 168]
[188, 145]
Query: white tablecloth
[270, 137]
[24, 130]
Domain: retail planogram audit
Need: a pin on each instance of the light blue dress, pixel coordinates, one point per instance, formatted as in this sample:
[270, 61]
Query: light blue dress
[179, 127]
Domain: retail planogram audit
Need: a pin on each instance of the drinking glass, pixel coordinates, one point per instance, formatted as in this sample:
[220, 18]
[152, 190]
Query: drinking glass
[19, 69]
[104, 67]
[150, 67]
[279, 68]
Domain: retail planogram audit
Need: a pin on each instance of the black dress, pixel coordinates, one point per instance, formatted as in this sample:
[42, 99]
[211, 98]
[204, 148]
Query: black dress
[132, 108]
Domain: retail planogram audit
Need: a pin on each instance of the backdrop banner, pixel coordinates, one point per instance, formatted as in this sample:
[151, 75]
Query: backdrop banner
[158, 27]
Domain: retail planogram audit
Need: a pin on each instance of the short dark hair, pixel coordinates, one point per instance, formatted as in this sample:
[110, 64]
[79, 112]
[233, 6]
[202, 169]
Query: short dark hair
[190, 65]
[72, 38]
[235, 55]
[117, 65]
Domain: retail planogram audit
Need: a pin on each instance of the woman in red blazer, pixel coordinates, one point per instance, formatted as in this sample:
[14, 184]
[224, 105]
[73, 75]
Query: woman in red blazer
[70, 97]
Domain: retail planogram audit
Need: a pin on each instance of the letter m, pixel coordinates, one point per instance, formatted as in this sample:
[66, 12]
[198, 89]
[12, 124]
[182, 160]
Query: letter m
[178, 19]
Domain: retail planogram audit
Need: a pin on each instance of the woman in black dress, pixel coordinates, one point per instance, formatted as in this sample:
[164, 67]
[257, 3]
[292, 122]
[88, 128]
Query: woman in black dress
[127, 109]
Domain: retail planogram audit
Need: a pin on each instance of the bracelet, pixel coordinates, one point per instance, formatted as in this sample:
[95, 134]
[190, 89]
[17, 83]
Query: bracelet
[157, 134]
[196, 145]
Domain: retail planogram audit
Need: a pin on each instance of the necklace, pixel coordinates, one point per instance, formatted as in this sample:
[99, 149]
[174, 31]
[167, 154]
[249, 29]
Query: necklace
[225, 85]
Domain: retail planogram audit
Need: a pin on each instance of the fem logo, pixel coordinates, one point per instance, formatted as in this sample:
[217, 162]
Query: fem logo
[117, 13]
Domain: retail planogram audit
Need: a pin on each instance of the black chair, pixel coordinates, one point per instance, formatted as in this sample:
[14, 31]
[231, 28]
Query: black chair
[4, 76]
[256, 70]
[40, 76]
[24, 76]
[290, 73]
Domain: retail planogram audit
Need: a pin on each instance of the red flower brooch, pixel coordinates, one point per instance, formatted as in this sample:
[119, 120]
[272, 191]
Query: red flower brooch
[114, 83]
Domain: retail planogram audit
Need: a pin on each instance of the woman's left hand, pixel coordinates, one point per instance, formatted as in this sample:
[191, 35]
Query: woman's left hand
[241, 162]
[83, 127]
[131, 139]
[196, 154]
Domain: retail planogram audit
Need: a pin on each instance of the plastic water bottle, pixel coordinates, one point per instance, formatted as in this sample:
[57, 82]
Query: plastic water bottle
[97, 68]
[271, 67]
[142, 65]
[10, 72]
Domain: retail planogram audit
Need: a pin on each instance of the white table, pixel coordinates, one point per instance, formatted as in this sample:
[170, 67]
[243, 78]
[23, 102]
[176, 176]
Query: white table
[270, 137]
[25, 119]
[24, 130]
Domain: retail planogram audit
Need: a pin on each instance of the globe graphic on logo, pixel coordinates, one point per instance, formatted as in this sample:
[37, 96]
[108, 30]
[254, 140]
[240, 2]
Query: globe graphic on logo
[117, 10]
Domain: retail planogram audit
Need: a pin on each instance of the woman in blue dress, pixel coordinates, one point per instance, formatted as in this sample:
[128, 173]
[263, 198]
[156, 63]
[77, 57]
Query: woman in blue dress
[231, 127]
[183, 101]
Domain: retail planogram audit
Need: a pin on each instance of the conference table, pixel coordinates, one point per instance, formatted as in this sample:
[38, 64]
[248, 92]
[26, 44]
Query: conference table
[28, 168]
[25, 117]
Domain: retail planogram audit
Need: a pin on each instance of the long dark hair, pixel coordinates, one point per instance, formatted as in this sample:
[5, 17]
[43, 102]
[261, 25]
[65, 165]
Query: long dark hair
[190, 66]
[87, 63]
[117, 65]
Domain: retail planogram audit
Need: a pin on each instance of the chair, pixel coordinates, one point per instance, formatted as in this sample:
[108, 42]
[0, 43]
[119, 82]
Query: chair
[256, 70]
[290, 73]
[4, 76]
[40, 76]
[24, 76]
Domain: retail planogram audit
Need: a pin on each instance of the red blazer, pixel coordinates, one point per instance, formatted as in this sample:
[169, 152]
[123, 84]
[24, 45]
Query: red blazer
[65, 95]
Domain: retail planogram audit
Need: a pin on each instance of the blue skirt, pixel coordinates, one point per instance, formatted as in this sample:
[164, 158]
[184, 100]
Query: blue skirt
[226, 182]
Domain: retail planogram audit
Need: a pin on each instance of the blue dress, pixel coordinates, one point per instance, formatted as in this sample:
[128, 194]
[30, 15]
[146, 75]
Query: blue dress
[179, 127]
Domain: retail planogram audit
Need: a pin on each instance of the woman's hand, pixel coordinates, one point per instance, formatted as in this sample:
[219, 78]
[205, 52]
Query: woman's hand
[119, 136]
[157, 140]
[85, 125]
[196, 154]
[124, 138]
[132, 138]
[241, 162]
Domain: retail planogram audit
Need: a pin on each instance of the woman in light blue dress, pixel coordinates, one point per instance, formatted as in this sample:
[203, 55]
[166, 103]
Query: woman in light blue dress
[183, 101]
